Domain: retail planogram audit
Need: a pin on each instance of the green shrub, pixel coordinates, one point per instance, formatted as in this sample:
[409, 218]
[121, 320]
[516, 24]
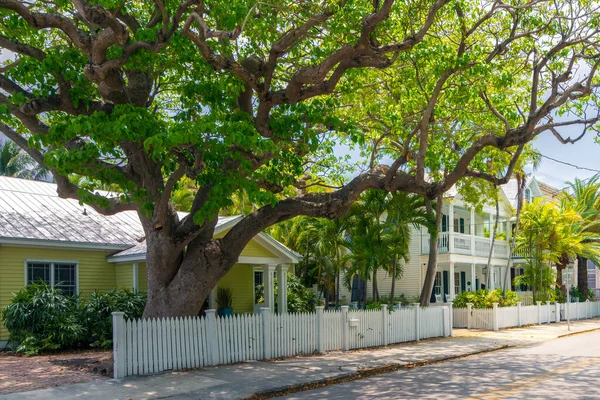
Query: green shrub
[485, 298]
[300, 298]
[40, 318]
[96, 313]
[374, 306]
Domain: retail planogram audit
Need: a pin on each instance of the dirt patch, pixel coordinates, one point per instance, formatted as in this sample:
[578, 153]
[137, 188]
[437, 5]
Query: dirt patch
[19, 373]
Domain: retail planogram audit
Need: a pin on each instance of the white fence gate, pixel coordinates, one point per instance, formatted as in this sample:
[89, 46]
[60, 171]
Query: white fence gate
[505, 317]
[143, 346]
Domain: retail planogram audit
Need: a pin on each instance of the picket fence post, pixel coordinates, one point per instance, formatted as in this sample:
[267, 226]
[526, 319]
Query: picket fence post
[539, 310]
[548, 312]
[211, 337]
[557, 311]
[519, 313]
[495, 316]
[320, 329]
[469, 310]
[587, 309]
[384, 323]
[417, 321]
[266, 327]
[119, 350]
[445, 320]
[345, 329]
[451, 317]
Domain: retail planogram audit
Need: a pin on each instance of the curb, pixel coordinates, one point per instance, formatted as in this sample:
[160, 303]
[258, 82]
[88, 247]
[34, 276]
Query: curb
[577, 333]
[357, 375]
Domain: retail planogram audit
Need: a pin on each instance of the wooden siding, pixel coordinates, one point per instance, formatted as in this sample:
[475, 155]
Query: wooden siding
[252, 249]
[239, 279]
[94, 272]
[124, 276]
[142, 277]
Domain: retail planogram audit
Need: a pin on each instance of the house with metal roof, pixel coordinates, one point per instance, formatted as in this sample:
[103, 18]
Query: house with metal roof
[71, 246]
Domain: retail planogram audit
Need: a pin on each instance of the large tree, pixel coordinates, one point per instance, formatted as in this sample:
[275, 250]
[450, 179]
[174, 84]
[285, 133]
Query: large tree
[251, 97]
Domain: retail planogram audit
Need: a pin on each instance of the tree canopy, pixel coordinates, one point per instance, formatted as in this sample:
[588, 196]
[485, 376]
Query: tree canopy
[252, 98]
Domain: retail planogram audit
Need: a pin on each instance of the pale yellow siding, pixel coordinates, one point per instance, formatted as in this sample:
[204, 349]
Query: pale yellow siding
[124, 276]
[142, 277]
[94, 272]
[252, 249]
[240, 279]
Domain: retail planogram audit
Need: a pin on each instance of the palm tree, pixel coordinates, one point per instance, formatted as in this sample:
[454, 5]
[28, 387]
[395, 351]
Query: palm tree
[403, 211]
[585, 199]
[16, 163]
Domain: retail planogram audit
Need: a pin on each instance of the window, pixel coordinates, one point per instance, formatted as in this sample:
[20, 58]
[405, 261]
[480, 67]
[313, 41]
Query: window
[527, 194]
[459, 225]
[59, 275]
[456, 282]
[438, 283]
[258, 278]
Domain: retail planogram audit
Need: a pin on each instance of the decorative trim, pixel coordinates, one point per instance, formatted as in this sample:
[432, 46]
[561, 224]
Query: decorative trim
[62, 244]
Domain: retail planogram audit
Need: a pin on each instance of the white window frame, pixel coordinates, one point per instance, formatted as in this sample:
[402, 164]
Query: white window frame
[52, 262]
[456, 283]
[441, 285]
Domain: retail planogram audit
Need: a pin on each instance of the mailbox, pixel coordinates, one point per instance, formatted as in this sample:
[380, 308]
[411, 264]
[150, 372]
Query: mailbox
[353, 322]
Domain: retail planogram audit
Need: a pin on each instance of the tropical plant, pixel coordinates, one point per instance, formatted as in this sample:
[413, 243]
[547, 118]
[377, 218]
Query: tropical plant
[16, 163]
[540, 277]
[485, 298]
[225, 298]
[299, 297]
[41, 318]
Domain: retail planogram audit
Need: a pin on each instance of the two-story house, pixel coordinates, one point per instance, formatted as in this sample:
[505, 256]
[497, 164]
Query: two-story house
[464, 248]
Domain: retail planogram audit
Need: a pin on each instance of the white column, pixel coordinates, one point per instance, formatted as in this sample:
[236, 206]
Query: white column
[473, 277]
[282, 288]
[134, 267]
[472, 232]
[212, 299]
[119, 349]
[451, 228]
[452, 290]
[491, 271]
[269, 282]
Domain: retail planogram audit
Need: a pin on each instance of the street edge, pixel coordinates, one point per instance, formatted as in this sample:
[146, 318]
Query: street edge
[361, 374]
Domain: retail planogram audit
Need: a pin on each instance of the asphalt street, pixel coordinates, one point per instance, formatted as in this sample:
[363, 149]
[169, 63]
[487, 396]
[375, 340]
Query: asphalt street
[567, 368]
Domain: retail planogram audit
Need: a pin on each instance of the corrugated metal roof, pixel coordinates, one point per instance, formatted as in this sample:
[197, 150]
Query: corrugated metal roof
[33, 210]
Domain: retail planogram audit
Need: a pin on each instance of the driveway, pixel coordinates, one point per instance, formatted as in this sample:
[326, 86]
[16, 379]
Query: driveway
[19, 373]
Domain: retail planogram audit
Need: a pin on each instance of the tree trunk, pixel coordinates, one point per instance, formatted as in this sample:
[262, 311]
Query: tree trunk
[393, 289]
[513, 240]
[179, 282]
[560, 266]
[493, 235]
[433, 251]
[582, 276]
[375, 290]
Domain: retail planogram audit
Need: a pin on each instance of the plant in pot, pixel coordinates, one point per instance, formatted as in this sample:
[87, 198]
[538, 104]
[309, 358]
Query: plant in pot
[225, 302]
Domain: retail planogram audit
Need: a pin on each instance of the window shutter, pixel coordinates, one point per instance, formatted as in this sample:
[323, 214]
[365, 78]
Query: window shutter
[462, 225]
[463, 281]
[444, 223]
[445, 282]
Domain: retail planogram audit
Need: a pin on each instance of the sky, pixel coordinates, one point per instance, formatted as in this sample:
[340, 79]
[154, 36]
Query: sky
[585, 153]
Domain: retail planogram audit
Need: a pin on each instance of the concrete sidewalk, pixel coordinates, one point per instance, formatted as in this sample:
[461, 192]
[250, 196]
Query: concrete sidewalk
[247, 379]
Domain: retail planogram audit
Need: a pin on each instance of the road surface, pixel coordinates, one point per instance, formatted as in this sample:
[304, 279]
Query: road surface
[567, 368]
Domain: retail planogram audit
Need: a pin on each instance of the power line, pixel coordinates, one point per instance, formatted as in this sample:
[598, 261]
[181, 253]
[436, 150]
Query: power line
[571, 165]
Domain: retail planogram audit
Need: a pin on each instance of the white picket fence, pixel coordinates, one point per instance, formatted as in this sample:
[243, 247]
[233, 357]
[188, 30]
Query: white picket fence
[144, 346]
[506, 317]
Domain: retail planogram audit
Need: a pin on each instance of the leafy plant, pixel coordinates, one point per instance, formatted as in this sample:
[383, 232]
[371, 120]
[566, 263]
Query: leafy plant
[300, 298]
[485, 298]
[41, 318]
[225, 298]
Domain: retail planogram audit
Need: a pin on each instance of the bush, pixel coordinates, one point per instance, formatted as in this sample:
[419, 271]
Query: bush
[96, 313]
[374, 306]
[485, 298]
[300, 298]
[40, 318]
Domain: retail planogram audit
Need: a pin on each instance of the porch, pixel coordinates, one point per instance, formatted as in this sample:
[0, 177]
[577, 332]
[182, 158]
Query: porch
[454, 278]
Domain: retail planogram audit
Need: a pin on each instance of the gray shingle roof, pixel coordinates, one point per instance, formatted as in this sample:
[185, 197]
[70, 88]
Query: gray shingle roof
[32, 210]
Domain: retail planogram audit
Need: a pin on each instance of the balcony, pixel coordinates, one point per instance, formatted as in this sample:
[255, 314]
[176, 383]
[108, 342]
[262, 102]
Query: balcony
[467, 245]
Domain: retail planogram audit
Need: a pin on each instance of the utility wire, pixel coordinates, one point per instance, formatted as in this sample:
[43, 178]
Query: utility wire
[571, 165]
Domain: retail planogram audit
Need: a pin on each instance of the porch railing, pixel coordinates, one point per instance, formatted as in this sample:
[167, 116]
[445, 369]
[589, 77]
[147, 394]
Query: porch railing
[466, 244]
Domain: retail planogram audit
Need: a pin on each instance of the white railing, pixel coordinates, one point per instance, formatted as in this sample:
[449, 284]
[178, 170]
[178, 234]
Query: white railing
[143, 346]
[506, 317]
[521, 253]
[463, 244]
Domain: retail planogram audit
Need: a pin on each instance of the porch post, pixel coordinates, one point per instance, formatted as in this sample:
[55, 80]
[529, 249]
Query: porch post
[268, 270]
[472, 231]
[282, 288]
[451, 278]
[451, 228]
[491, 271]
[212, 299]
[473, 277]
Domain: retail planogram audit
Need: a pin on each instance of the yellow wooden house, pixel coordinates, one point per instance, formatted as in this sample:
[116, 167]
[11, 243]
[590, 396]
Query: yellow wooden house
[71, 246]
